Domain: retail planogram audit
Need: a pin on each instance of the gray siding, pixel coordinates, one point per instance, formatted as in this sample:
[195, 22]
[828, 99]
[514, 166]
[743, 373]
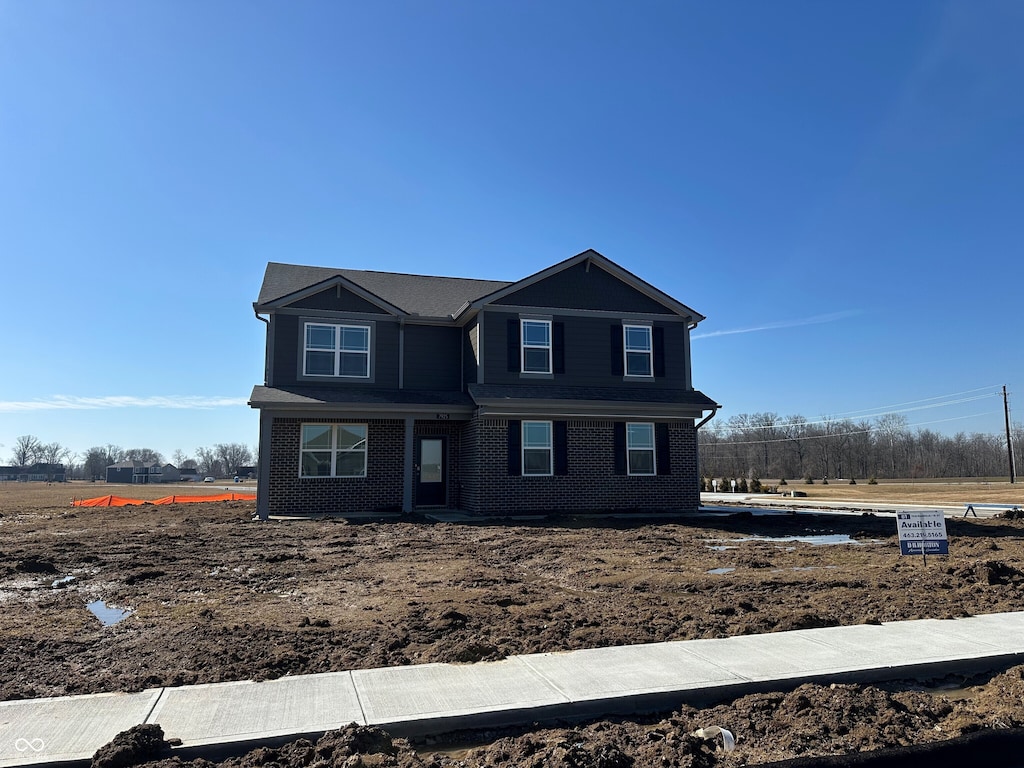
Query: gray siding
[580, 288]
[287, 354]
[432, 358]
[588, 354]
[470, 352]
[337, 299]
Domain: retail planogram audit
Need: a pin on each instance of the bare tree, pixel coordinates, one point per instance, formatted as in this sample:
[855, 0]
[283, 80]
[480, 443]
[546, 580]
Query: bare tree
[181, 460]
[26, 450]
[52, 454]
[232, 456]
[143, 454]
[208, 462]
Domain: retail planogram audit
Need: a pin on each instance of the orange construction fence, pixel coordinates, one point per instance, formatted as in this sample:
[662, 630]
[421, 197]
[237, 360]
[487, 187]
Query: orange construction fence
[118, 501]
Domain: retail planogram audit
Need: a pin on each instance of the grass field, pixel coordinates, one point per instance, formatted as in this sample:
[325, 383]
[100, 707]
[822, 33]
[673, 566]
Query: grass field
[936, 491]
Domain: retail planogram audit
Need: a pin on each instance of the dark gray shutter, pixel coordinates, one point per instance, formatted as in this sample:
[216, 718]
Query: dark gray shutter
[658, 335]
[619, 447]
[558, 347]
[560, 442]
[513, 345]
[617, 364]
[515, 444]
[661, 446]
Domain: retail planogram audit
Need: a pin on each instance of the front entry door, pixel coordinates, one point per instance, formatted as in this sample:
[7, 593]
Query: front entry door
[431, 483]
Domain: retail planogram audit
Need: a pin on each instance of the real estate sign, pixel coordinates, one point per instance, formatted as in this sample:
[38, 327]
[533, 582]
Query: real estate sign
[922, 533]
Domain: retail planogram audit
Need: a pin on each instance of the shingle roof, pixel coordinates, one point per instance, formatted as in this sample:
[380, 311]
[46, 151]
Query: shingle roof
[422, 295]
[512, 392]
[316, 396]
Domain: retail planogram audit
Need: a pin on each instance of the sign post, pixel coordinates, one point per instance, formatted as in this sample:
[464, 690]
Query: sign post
[922, 533]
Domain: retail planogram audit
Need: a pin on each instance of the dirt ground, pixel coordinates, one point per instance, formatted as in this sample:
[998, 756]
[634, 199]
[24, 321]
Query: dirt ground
[214, 596]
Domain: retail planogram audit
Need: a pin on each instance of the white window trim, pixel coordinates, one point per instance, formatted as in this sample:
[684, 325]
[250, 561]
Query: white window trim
[653, 450]
[523, 346]
[337, 351]
[335, 450]
[626, 350]
[550, 448]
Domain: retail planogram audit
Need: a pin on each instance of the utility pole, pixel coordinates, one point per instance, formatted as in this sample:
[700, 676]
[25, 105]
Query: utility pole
[1009, 442]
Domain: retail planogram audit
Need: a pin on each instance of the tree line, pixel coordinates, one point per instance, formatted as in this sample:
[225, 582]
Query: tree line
[220, 460]
[765, 445]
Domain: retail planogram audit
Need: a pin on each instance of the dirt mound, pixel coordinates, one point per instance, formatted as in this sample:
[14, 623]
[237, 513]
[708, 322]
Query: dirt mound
[136, 746]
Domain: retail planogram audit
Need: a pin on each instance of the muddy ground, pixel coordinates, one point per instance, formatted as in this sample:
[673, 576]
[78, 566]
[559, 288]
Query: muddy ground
[214, 596]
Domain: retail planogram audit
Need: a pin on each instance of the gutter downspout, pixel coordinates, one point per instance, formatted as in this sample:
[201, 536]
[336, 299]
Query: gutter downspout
[696, 446]
[707, 418]
[263, 457]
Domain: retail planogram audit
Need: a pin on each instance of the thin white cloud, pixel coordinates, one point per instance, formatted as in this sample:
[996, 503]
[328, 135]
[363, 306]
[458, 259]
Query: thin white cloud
[73, 403]
[816, 320]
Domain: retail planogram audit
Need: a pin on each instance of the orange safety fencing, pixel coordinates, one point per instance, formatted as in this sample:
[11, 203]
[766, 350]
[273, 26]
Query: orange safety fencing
[118, 501]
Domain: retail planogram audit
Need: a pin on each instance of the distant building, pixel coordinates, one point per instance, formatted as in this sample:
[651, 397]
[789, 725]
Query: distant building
[142, 472]
[40, 472]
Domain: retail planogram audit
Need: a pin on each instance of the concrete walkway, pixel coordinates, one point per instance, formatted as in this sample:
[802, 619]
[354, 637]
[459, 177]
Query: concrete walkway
[436, 698]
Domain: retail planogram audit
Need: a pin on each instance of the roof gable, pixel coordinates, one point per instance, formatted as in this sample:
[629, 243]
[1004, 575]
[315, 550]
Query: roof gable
[589, 281]
[400, 294]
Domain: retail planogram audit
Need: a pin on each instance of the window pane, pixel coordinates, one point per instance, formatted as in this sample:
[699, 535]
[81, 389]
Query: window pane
[640, 435]
[354, 364]
[638, 338]
[352, 464]
[352, 436]
[536, 333]
[537, 434]
[430, 461]
[320, 337]
[316, 464]
[536, 360]
[320, 363]
[536, 461]
[316, 436]
[638, 364]
[355, 339]
[641, 462]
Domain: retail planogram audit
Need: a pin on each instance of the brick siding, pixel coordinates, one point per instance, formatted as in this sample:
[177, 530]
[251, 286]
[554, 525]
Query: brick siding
[477, 472]
[590, 486]
[381, 489]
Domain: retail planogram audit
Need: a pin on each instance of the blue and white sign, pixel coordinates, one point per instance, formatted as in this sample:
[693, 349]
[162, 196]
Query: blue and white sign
[922, 533]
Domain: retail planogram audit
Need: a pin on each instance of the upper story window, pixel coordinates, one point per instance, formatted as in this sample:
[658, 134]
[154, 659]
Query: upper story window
[337, 350]
[536, 346]
[638, 350]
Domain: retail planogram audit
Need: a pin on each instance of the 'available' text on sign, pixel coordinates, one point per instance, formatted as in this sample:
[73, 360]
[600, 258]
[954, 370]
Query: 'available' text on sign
[922, 533]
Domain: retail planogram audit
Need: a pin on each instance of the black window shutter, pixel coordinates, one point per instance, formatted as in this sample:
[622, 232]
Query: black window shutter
[558, 347]
[619, 446]
[515, 443]
[659, 351]
[561, 446]
[617, 365]
[661, 446]
[513, 345]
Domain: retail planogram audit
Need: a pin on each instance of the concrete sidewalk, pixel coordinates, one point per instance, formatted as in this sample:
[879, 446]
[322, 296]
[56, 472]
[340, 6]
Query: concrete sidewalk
[436, 698]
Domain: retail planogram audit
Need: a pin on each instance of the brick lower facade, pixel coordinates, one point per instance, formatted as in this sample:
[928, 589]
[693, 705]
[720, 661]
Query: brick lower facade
[591, 484]
[477, 471]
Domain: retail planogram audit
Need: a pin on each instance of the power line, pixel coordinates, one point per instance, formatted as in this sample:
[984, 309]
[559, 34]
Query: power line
[838, 434]
[878, 411]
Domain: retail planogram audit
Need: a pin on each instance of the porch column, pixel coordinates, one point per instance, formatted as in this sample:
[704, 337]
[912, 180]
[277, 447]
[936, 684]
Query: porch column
[410, 423]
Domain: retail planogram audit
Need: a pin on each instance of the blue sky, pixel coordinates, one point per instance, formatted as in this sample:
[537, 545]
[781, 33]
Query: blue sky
[837, 186]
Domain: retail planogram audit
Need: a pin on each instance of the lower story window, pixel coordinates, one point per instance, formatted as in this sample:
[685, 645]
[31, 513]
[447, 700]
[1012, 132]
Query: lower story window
[333, 450]
[537, 448]
[640, 449]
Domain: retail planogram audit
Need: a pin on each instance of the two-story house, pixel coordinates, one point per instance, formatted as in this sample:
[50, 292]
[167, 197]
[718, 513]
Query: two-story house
[568, 390]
